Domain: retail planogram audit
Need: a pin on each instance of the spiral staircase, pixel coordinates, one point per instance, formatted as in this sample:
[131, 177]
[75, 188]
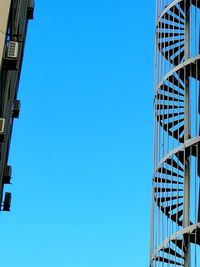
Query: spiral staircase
[175, 231]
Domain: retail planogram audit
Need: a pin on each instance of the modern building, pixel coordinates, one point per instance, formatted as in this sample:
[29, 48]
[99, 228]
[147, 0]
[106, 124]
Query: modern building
[175, 222]
[14, 17]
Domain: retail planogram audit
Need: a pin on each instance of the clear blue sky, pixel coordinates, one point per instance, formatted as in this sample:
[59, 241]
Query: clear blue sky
[82, 149]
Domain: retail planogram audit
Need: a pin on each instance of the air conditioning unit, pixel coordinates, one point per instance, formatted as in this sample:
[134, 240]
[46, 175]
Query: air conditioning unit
[2, 129]
[12, 50]
[2, 125]
[7, 202]
[16, 108]
[7, 175]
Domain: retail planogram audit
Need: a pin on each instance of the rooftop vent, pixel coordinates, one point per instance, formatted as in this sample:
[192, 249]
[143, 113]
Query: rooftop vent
[30, 9]
[7, 175]
[16, 109]
[7, 202]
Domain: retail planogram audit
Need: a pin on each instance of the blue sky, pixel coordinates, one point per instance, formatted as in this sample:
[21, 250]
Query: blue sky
[82, 149]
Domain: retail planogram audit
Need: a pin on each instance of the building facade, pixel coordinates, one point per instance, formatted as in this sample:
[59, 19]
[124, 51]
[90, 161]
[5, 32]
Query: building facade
[14, 17]
[175, 219]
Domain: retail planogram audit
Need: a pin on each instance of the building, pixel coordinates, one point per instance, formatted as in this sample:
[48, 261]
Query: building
[175, 220]
[14, 17]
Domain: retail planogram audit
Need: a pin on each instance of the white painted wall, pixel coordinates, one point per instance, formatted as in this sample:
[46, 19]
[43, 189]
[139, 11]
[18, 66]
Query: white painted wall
[4, 14]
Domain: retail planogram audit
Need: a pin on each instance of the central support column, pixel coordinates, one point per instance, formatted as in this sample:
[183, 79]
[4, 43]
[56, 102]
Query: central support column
[186, 199]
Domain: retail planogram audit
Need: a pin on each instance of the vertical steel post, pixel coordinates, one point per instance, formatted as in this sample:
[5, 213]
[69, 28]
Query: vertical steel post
[186, 198]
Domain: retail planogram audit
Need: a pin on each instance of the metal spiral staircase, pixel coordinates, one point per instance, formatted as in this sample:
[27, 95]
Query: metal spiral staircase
[175, 226]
